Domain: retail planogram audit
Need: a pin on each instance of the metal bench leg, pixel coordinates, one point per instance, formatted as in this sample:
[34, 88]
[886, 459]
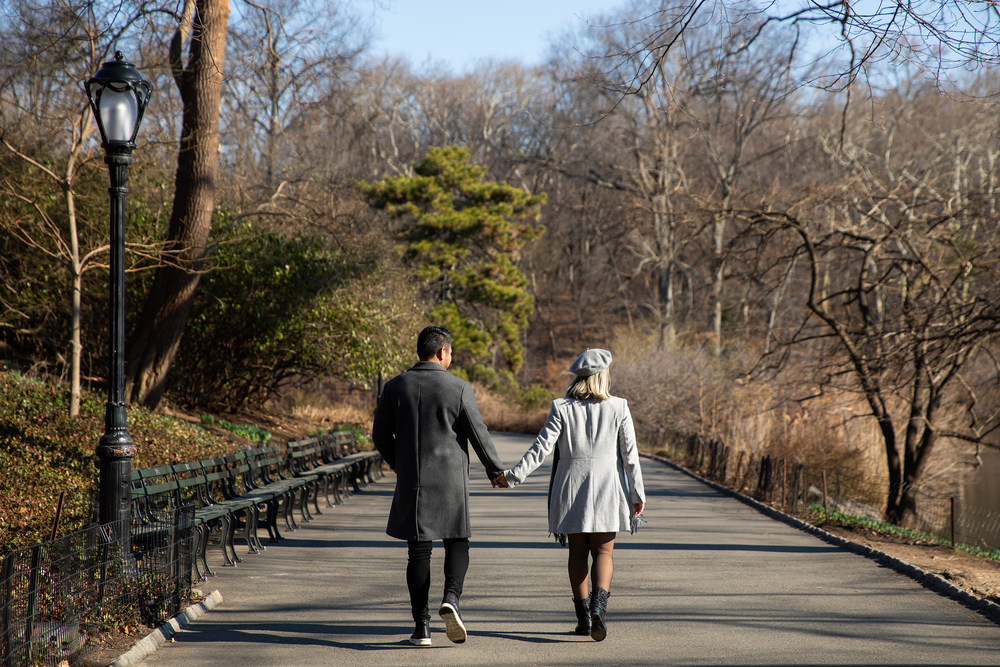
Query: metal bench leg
[316, 493]
[273, 505]
[288, 501]
[304, 502]
[257, 509]
[199, 554]
[292, 499]
[355, 473]
[234, 526]
[206, 533]
[339, 487]
[250, 529]
[256, 527]
[331, 481]
[228, 524]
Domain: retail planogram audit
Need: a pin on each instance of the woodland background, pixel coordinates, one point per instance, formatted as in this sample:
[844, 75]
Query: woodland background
[783, 226]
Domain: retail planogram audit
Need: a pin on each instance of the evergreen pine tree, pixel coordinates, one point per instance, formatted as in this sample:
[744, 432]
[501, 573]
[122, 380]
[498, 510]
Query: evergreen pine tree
[464, 234]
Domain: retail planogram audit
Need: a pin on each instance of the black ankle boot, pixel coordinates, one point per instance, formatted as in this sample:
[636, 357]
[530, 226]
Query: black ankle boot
[598, 607]
[421, 632]
[582, 616]
[453, 626]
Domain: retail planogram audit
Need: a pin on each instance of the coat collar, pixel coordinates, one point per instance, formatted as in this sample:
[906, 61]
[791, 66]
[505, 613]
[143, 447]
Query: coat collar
[427, 366]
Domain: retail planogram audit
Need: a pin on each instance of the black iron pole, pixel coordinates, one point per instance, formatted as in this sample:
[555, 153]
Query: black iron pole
[116, 450]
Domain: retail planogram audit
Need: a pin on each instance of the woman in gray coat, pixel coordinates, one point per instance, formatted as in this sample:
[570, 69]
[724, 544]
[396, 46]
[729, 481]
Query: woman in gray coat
[596, 487]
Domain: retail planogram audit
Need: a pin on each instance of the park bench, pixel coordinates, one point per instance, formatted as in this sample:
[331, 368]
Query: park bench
[249, 490]
[332, 460]
[261, 474]
[166, 488]
[305, 457]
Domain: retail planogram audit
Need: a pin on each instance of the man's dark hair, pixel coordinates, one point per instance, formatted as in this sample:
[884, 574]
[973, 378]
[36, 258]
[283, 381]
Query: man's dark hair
[431, 340]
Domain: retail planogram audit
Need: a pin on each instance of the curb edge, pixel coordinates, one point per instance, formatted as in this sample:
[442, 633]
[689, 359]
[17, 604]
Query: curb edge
[158, 637]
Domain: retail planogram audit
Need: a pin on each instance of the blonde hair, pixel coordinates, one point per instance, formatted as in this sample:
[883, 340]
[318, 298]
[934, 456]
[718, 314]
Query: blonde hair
[594, 387]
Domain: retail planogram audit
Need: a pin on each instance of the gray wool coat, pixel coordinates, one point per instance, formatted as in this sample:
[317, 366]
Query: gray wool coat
[424, 423]
[598, 476]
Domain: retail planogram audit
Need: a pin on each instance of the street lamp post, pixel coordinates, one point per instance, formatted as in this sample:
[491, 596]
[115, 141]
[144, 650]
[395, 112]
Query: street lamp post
[118, 95]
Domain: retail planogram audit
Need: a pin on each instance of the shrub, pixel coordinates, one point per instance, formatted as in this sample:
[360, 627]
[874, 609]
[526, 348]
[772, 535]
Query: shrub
[302, 309]
[44, 452]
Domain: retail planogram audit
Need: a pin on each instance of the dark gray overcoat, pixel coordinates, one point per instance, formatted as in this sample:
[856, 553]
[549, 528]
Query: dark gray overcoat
[424, 423]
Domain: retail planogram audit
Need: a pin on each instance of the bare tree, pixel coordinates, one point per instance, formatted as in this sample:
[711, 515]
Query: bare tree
[745, 88]
[899, 262]
[54, 48]
[680, 144]
[286, 63]
[937, 36]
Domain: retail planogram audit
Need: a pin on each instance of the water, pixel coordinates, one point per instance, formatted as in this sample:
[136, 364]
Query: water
[983, 488]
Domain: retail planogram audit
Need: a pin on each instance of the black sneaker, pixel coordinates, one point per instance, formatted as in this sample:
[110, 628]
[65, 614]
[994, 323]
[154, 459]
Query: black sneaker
[421, 633]
[453, 626]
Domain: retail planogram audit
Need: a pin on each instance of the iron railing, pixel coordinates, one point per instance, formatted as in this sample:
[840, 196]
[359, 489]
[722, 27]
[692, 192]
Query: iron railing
[60, 600]
[796, 487]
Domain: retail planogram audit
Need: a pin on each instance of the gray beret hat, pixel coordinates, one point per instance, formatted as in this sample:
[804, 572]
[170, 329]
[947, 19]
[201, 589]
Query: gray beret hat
[591, 362]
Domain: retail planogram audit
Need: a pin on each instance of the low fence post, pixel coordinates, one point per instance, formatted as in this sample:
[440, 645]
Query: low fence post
[7, 577]
[795, 489]
[773, 481]
[952, 499]
[826, 510]
[29, 626]
[736, 477]
[784, 483]
[805, 491]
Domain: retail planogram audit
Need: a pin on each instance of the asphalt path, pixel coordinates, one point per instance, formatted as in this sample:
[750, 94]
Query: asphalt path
[710, 581]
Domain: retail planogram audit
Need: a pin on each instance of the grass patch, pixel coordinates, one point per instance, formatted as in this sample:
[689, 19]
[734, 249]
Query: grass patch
[816, 510]
[251, 432]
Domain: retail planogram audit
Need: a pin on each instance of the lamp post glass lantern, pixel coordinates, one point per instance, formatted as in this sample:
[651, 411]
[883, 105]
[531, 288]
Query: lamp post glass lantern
[118, 95]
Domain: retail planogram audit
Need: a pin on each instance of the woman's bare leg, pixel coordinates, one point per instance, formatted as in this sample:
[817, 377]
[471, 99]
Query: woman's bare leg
[579, 555]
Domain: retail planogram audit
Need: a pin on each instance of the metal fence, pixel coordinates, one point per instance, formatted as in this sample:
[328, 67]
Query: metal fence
[59, 600]
[796, 487]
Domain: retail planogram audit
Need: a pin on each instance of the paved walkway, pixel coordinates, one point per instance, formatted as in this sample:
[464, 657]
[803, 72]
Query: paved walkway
[709, 581]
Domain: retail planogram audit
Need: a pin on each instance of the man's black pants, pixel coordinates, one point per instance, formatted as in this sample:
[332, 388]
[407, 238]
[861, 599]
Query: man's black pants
[418, 571]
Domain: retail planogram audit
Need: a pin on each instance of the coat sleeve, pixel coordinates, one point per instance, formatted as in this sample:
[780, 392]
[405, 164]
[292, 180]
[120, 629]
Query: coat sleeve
[629, 453]
[543, 446]
[471, 423]
[384, 427]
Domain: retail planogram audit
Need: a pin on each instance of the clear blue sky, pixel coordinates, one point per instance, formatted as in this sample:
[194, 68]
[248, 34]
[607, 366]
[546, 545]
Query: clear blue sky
[461, 32]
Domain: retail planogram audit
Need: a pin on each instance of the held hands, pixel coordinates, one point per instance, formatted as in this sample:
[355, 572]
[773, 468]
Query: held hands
[500, 481]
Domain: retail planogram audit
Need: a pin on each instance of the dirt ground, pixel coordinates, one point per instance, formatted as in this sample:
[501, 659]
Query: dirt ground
[980, 576]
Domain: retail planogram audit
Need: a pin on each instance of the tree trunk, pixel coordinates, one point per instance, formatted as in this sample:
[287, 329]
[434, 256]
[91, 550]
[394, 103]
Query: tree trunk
[76, 269]
[168, 305]
[718, 233]
[892, 460]
[76, 348]
[668, 330]
[918, 453]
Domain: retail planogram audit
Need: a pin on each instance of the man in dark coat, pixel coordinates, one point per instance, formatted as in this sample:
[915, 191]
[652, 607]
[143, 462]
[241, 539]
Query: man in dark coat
[425, 421]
